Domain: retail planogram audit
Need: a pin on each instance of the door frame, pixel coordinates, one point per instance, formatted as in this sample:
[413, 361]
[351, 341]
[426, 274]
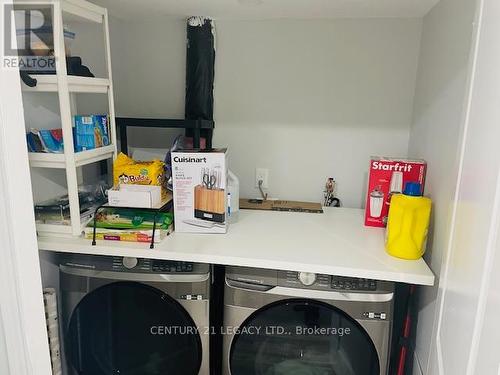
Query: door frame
[21, 301]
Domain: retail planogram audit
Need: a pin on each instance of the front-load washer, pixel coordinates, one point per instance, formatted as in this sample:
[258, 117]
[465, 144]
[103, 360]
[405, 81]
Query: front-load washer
[281, 322]
[129, 316]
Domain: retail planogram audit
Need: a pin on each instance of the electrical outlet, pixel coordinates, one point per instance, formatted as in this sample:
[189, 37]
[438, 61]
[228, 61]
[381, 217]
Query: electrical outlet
[262, 174]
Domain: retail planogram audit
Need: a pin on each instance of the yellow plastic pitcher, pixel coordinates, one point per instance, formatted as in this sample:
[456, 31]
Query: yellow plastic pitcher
[408, 223]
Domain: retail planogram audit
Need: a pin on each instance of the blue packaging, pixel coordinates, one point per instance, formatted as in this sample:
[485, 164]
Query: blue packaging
[90, 131]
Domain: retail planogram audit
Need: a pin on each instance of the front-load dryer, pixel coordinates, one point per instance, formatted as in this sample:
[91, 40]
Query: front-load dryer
[129, 316]
[280, 322]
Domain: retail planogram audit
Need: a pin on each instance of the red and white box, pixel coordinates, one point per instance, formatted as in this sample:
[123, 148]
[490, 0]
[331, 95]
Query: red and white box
[388, 176]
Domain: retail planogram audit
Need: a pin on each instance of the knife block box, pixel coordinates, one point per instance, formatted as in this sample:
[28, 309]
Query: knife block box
[209, 204]
[200, 190]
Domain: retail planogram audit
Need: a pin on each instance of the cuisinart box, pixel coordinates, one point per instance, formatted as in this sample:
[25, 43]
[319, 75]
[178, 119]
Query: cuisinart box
[388, 176]
[199, 181]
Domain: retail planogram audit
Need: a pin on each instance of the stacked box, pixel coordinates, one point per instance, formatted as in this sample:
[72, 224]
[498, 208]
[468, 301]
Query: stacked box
[200, 181]
[388, 176]
[91, 132]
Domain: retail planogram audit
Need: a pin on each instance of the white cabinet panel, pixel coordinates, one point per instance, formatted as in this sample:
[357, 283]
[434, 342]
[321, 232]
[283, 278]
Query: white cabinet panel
[469, 265]
[4, 362]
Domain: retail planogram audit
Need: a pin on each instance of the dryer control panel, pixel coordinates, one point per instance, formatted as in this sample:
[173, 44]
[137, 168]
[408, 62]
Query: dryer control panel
[305, 280]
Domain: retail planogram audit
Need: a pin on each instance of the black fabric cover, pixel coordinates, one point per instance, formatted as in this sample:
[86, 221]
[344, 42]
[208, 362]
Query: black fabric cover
[200, 63]
[74, 67]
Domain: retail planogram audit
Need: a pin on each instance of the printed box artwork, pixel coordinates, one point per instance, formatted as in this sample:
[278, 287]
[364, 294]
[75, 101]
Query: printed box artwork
[388, 176]
[199, 181]
[90, 132]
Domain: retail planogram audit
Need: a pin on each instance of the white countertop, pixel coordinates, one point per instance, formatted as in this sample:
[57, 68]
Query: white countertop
[335, 243]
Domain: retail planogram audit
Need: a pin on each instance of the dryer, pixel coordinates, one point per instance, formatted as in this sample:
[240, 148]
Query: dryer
[281, 322]
[133, 316]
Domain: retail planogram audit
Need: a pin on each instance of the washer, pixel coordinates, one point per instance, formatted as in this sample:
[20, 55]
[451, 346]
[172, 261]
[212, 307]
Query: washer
[132, 316]
[281, 322]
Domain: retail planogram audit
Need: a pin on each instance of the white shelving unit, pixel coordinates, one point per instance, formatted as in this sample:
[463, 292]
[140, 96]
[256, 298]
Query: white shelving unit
[66, 87]
[49, 83]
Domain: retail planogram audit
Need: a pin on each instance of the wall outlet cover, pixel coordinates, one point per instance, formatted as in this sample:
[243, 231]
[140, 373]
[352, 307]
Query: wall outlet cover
[262, 174]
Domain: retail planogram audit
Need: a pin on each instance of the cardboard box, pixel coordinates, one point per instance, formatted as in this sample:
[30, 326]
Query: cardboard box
[90, 132]
[138, 196]
[200, 196]
[279, 205]
[388, 176]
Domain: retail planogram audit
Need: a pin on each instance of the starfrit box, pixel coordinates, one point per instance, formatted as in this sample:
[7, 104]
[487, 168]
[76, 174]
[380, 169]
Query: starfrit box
[388, 176]
[199, 182]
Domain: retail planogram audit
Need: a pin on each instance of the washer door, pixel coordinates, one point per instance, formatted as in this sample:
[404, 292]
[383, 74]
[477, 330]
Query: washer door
[130, 328]
[303, 337]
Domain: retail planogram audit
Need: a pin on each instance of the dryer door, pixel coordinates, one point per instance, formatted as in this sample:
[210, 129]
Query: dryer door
[302, 336]
[130, 328]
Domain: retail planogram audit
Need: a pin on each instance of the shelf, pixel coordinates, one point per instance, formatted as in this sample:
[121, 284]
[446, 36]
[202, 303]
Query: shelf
[333, 243]
[57, 230]
[53, 230]
[123, 123]
[82, 10]
[95, 155]
[164, 123]
[48, 160]
[76, 84]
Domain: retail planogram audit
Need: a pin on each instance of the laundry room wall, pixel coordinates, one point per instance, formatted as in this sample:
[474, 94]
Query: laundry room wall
[307, 99]
[310, 99]
[435, 136]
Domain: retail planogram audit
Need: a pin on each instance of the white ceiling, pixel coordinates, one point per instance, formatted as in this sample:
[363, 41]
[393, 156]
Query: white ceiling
[268, 9]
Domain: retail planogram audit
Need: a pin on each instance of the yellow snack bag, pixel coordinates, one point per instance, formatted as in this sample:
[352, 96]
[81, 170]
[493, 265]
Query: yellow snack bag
[128, 171]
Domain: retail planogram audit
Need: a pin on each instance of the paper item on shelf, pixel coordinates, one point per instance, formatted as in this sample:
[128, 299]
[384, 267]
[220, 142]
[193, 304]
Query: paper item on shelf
[45, 140]
[51, 316]
[127, 235]
[131, 219]
[138, 196]
[56, 210]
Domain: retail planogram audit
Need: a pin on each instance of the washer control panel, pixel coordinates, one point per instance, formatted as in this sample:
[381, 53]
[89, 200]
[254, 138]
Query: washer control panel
[132, 264]
[151, 265]
[353, 283]
[172, 266]
[307, 278]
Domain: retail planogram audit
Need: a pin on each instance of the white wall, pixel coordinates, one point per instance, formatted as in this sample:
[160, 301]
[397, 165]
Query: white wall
[149, 74]
[310, 99]
[435, 136]
[306, 99]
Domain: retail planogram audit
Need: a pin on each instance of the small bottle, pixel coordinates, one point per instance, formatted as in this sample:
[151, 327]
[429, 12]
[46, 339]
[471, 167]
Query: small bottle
[233, 197]
[408, 223]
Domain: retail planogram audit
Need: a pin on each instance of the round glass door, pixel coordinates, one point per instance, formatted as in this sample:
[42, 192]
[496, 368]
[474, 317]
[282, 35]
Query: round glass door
[129, 328]
[303, 337]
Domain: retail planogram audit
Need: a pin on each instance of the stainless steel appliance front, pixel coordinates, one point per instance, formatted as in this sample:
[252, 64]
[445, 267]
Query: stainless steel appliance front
[278, 322]
[127, 315]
